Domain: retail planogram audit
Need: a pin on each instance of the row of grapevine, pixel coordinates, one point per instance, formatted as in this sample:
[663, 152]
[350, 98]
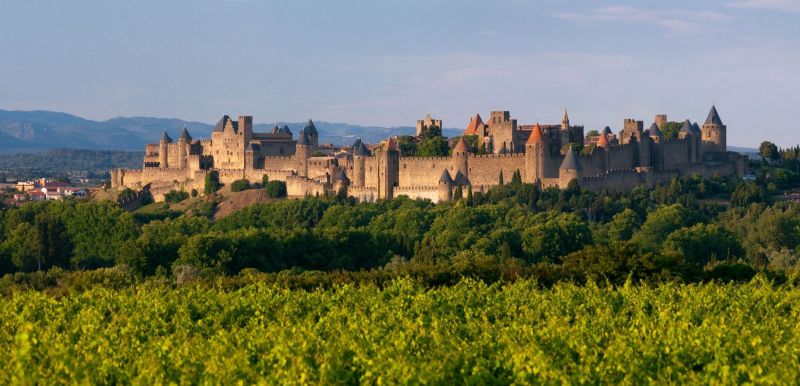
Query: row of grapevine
[405, 333]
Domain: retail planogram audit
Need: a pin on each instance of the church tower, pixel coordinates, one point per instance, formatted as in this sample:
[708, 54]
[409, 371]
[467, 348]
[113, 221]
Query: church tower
[714, 133]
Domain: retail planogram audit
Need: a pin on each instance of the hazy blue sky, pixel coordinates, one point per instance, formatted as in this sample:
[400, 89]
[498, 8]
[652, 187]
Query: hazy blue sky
[389, 62]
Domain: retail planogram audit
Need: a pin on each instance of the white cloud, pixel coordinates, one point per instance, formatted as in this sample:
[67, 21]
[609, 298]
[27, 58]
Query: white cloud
[672, 20]
[772, 5]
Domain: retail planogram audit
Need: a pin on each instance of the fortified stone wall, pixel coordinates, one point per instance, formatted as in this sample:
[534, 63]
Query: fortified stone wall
[674, 154]
[419, 192]
[298, 186]
[484, 170]
[422, 171]
[621, 157]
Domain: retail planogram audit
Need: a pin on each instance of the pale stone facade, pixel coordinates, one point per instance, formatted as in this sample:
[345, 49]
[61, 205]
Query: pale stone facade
[539, 152]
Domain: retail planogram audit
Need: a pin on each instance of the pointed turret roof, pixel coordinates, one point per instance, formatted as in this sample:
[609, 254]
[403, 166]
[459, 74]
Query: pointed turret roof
[687, 127]
[220, 127]
[602, 141]
[571, 161]
[285, 129]
[276, 130]
[359, 148]
[185, 134]
[565, 118]
[461, 179]
[310, 129]
[655, 131]
[536, 136]
[445, 177]
[461, 146]
[607, 130]
[713, 117]
[696, 128]
[303, 139]
[474, 125]
[165, 137]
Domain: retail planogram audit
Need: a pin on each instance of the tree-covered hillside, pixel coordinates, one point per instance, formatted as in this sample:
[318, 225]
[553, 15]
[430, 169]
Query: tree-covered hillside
[61, 162]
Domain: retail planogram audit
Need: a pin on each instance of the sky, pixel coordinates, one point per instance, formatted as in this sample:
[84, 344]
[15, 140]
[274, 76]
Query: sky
[388, 63]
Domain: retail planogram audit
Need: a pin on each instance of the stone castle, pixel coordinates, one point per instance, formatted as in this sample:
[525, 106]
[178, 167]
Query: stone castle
[542, 154]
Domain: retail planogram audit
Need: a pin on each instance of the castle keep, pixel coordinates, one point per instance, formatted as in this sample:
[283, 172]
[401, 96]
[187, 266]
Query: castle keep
[548, 155]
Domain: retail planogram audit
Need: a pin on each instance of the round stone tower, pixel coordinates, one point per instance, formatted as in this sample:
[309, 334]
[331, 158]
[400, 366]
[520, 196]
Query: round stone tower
[163, 150]
[302, 153]
[534, 153]
[460, 157]
[714, 133]
[445, 187]
[360, 153]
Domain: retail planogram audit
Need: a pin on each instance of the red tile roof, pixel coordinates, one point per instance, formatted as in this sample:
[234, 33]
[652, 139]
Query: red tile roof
[536, 136]
[475, 124]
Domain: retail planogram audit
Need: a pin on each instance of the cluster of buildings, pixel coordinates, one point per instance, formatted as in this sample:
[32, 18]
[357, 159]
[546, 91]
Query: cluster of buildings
[45, 189]
[549, 155]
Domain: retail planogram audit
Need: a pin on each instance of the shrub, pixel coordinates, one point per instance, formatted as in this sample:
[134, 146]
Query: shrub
[240, 185]
[176, 196]
[275, 189]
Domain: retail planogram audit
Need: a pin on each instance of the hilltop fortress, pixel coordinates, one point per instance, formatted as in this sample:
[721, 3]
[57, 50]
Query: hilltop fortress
[542, 154]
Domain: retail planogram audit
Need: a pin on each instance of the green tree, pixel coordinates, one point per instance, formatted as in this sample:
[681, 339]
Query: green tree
[275, 189]
[704, 243]
[433, 147]
[749, 193]
[663, 221]
[769, 151]
[264, 180]
[211, 182]
[623, 225]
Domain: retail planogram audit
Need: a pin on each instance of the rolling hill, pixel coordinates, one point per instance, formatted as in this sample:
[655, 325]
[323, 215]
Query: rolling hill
[27, 131]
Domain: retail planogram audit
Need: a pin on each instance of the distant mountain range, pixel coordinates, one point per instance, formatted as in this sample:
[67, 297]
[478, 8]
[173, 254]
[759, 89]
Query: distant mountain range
[30, 131]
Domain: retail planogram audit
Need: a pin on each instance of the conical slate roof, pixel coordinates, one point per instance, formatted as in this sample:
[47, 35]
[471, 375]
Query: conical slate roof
[310, 129]
[607, 130]
[445, 177]
[285, 129]
[461, 146]
[696, 128]
[687, 127]
[461, 179]
[655, 131]
[713, 117]
[185, 135]
[536, 136]
[571, 161]
[360, 148]
[165, 137]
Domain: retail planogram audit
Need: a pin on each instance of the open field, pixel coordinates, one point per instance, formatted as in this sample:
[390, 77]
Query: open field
[405, 333]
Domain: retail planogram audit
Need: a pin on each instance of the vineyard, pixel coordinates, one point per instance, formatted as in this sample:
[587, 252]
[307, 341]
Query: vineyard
[405, 333]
